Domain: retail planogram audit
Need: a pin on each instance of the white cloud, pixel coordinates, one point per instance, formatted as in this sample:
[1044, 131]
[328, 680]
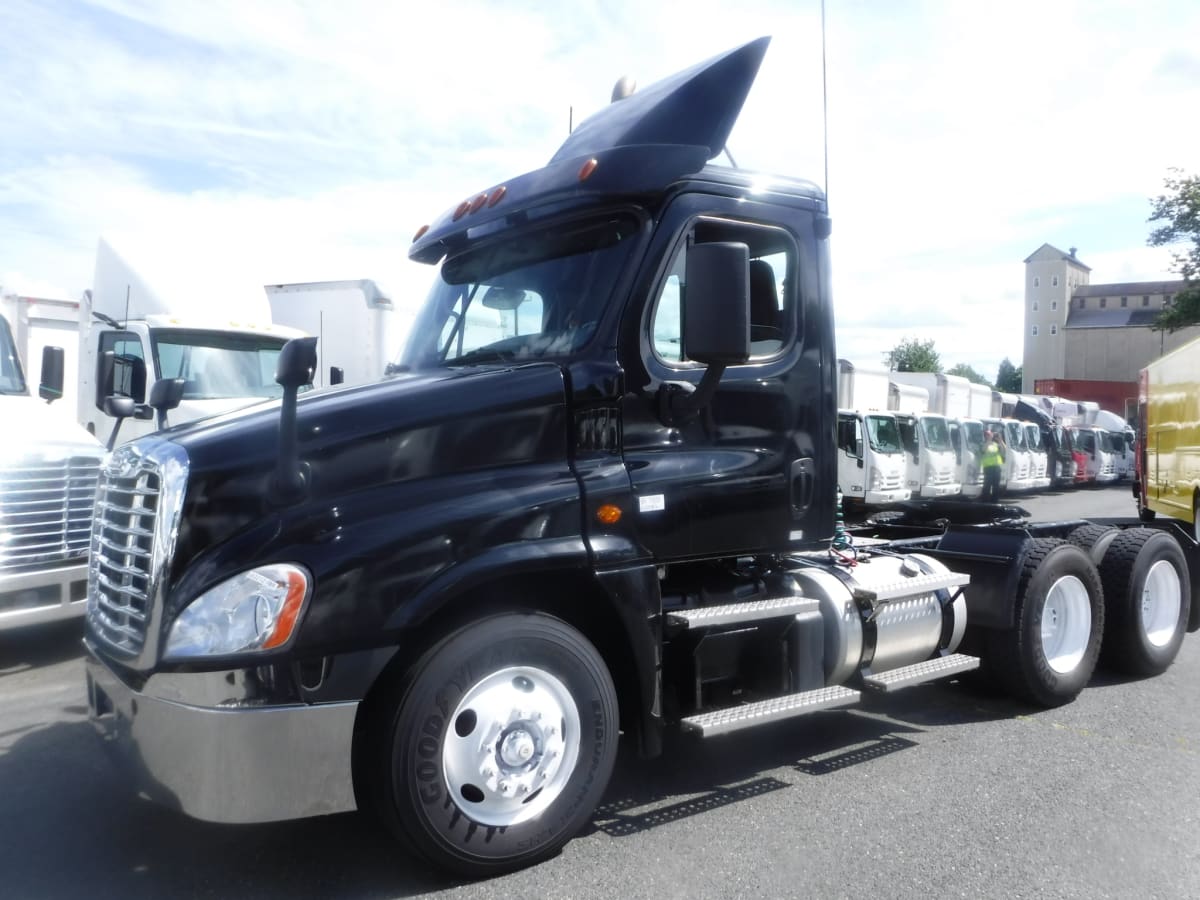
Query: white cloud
[315, 138]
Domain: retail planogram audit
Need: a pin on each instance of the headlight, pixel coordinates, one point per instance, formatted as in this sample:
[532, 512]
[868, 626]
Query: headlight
[256, 610]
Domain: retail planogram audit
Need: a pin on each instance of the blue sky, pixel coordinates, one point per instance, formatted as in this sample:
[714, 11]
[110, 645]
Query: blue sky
[291, 141]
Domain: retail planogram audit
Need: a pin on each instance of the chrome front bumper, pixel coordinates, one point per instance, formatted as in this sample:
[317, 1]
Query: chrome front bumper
[234, 765]
[45, 595]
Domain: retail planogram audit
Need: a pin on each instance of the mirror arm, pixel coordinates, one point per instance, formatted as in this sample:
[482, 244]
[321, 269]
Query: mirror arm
[679, 401]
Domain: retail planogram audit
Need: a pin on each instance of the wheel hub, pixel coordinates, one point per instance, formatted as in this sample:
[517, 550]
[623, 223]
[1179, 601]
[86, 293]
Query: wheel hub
[1066, 624]
[512, 746]
[1161, 600]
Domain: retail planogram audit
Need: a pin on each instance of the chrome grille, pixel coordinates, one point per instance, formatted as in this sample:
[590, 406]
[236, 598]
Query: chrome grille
[46, 511]
[120, 573]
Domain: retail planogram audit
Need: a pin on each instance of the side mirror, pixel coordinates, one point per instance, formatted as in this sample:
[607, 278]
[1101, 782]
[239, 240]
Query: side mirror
[120, 409]
[336, 375]
[53, 361]
[716, 325]
[166, 394]
[294, 369]
[716, 304]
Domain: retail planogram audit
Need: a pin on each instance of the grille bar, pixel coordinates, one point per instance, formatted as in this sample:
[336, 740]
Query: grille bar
[122, 540]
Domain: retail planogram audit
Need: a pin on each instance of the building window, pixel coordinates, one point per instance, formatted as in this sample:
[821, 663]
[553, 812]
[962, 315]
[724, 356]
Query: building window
[1146, 300]
[1082, 302]
[1054, 304]
[1054, 329]
[1035, 331]
[1037, 282]
[1167, 300]
[1054, 281]
[1124, 302]
[1035, 306]
[1103, 302]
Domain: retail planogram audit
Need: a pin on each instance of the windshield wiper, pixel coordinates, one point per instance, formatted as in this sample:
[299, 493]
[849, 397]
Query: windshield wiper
[479, 355]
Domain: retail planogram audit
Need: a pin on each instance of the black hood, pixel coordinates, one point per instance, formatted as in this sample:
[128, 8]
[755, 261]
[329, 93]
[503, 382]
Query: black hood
[367, 438]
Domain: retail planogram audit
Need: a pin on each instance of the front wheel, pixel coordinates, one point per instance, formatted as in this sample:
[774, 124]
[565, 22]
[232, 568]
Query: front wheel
[1049, 655]
[500, 746]
[1148, 595]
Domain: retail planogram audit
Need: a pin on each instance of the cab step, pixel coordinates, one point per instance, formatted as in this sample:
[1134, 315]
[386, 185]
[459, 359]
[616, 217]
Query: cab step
[738, 613]
[723, 721]
[911, 587]
[930, 670]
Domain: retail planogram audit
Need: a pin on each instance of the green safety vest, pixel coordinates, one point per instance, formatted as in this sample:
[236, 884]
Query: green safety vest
[991, 455]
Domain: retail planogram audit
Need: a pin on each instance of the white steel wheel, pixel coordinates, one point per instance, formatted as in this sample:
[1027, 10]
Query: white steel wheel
[512, 746]
[1066, 624]
[492, 750]
[1050, 652]
[1148, 597]
[1162, 597]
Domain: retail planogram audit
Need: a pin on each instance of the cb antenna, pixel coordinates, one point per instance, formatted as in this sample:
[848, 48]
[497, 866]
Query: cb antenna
[824, 103]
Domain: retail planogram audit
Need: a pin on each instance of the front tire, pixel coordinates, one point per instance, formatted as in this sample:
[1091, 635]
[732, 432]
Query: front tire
[501, 745]
[1049, 655]
[1148, 596]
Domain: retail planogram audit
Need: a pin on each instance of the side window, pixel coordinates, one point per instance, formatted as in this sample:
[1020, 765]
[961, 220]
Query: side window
[773, 267]
[125, 347]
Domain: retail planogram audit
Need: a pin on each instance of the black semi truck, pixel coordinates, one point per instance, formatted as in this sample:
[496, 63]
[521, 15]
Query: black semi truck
[596, 493]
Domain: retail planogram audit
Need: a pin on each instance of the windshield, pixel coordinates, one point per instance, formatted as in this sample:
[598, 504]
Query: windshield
[12, 379]
[937, 435]
[1085, 441]
[1014, 435]
[1033, 436]
[533, 295]
[883, 434]
[217, 366]
[973, 432]
[907, 426]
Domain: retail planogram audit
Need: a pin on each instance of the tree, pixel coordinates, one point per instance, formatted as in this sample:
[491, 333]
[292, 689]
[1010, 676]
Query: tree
[1179, 209]
[911, 355]
[965, 371]
[1008, 377]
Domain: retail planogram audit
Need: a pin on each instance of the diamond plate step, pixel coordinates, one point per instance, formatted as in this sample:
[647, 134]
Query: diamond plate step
[911, 587]
[723, 721]
[735, 613]
[932, 669]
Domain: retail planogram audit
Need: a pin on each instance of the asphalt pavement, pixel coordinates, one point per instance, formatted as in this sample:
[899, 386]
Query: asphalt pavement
[938, 791]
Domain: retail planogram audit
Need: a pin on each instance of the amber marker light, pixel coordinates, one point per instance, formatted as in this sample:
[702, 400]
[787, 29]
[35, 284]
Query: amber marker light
[608, 514]
[586, 170]
[497, 195]
[477, 203]
[462, 210]
[292, 604]
[420, 233]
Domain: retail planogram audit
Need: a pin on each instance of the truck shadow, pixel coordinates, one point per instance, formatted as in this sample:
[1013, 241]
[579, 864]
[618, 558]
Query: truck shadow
[64, 801]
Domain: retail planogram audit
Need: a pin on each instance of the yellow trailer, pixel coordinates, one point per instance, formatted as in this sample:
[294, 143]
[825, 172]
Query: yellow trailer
[1168, 459]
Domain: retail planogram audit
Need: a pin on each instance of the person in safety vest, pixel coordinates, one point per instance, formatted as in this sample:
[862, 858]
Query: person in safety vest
[992, 463]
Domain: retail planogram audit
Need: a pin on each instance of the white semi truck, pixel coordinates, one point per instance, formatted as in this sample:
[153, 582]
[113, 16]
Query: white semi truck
[171, 324]
[871, 461]
[950, 396]
[48, 471]
[929, 455]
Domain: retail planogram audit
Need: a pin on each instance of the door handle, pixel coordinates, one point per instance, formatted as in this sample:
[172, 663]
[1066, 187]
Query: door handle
[803, 482]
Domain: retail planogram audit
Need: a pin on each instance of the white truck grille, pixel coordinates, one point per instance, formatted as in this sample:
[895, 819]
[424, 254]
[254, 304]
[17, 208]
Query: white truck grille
[46, 512]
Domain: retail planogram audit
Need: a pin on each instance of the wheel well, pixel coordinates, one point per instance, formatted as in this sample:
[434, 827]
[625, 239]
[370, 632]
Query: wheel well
[574, 597]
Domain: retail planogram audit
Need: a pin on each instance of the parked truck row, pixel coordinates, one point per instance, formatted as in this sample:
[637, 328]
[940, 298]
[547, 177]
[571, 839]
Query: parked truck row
[909, 435]
[596, 494]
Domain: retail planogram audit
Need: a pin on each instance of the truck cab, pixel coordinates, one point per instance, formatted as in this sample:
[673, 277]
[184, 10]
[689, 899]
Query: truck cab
[137, 327]
[48, 472]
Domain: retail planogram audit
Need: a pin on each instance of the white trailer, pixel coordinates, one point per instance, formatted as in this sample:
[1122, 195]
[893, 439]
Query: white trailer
[355, 322]
[871, 468]
[162, 322]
